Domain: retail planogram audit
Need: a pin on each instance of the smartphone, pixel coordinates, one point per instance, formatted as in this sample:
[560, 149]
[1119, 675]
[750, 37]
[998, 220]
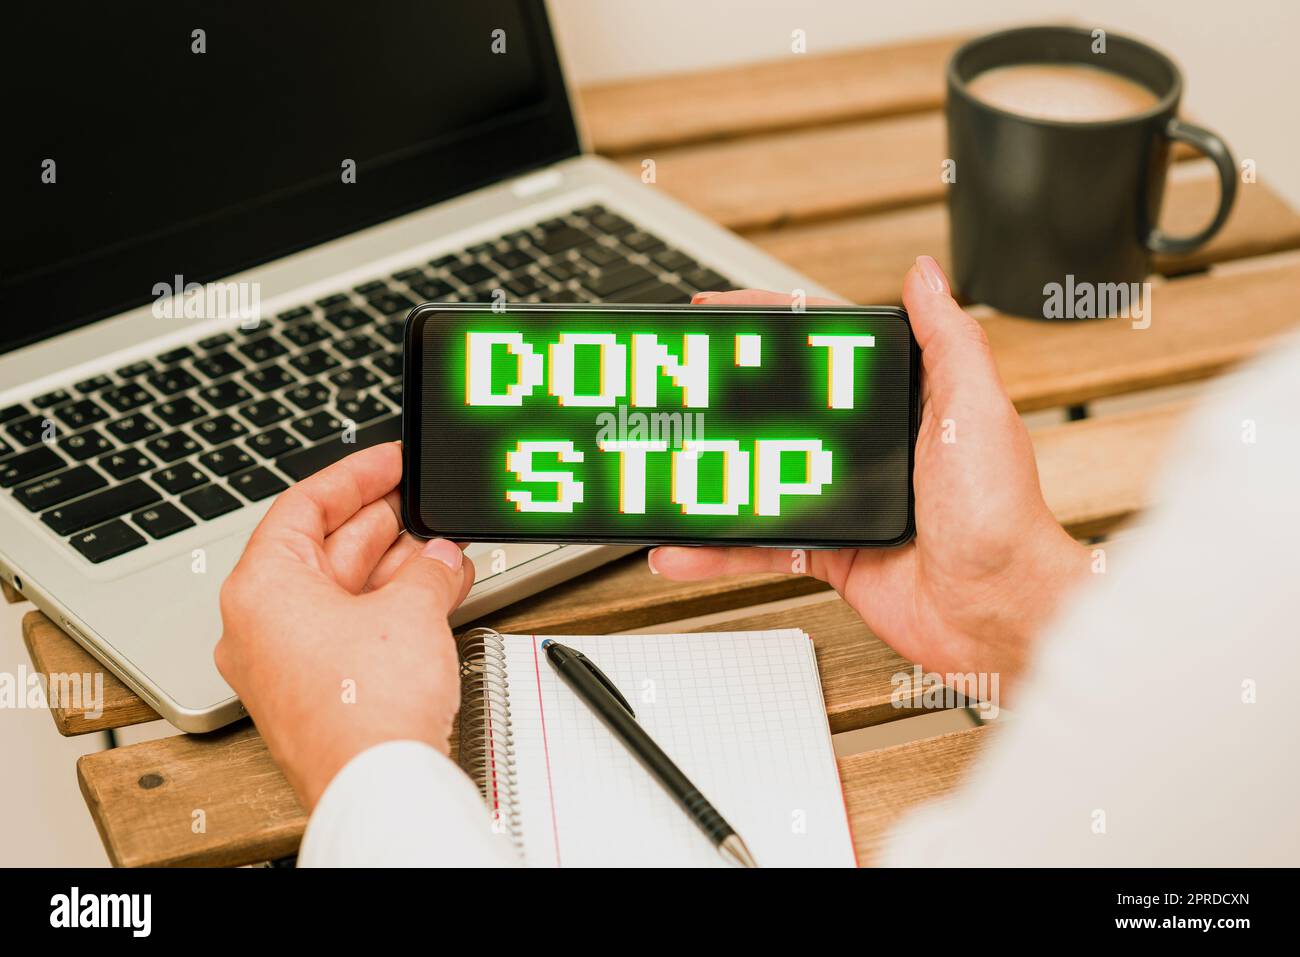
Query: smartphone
[691, 425]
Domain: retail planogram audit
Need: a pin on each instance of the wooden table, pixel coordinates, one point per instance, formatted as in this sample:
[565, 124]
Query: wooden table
[832, 164]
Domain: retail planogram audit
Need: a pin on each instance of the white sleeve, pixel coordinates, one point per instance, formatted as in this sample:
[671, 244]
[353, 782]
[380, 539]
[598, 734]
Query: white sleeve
[402, 804]
[1158, 725]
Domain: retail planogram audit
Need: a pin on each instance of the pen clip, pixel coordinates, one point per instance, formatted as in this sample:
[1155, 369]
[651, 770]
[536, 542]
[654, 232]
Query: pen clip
[603, 679]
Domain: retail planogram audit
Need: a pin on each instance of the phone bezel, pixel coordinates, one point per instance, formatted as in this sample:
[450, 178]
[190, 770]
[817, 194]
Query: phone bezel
[412, 360]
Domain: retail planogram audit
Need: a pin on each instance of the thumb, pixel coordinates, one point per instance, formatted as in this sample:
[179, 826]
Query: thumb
[955, 351]
[436, 572]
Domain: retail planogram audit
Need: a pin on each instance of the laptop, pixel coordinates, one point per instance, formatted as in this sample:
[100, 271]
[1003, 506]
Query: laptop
[215, 228]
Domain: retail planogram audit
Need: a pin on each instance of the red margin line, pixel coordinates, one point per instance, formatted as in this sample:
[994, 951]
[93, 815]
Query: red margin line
[546, 749]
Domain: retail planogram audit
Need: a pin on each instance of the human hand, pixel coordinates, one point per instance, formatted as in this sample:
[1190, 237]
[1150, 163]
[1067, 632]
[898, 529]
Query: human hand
[335, 623]
[990, 562]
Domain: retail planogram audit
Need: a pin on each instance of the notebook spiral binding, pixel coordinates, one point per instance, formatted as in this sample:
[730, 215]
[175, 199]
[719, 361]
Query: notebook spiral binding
[487, 745]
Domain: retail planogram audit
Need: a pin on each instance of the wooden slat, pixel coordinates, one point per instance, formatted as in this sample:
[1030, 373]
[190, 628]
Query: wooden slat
[880, 786]
[10, 595]
[1096, 474]
[624, 594]
[143, 798]
[864, 257]
[795, 91]
[1200, 326]
[54, 653]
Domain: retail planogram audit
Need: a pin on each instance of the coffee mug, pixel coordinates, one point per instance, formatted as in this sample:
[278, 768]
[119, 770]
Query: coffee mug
[1038, 203]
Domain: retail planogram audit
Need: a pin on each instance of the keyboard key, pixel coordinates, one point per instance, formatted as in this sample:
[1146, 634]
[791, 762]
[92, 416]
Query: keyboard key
[392, 332]
[135, 369]
[33, 430]
[651, 293]
[174, 356]
[389, 365]
[217, 341]
[218, 365]
[614, 280]
[219, 430]
[563, 270]
[356, 347]
[225, 461]
[269, 378]
[410, 275]
[611, 223]
[133, 428]
[334, 301]
[361, 409]
[308, 396]
[512, 259]
[642, 242]
[210, 501]
[5, 448]
[304, 462]
[125, 464]
[225, 394]
[312, 364]
[100, 507]
[674, 260]
[371, 288]
[432, 290]
[354, 379]
[93, 384]
[85, 445]
[319, 425]
[473, 274]
[162, 520]
[705, 279]
[304, 334]
[561, 239]
[345, 320]
[393, 392]
[126, 397]
[297, 312]
[263, 350]
[272, 444]
[175, 445]
[443, 262]
[77, 415]
[257, 484]
[51, 399]
[599, 254]
[390, 303]
[179, 478]
[16, 411]
[29, 465]
[57, 488]
[108, 541]
[524, 285]
[171, 381]
[179, 411]
[264, 412]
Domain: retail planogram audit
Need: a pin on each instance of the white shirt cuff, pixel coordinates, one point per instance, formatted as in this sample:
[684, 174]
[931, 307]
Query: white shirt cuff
[402, 804]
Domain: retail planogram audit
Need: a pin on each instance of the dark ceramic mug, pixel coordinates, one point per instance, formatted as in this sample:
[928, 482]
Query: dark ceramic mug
[1036, 202]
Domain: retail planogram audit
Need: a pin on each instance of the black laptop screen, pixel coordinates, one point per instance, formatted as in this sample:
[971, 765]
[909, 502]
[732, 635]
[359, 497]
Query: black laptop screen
[198, 154]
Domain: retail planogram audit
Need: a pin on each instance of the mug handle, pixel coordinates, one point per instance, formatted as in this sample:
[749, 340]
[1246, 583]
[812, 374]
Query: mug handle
[1212, 146]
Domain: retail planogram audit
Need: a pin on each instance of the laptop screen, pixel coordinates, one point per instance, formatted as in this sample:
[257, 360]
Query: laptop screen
[195, 139]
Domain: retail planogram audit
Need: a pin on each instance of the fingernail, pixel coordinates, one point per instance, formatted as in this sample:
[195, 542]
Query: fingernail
[932, 274]
[441, 550]
[701, 296]
[650, 560]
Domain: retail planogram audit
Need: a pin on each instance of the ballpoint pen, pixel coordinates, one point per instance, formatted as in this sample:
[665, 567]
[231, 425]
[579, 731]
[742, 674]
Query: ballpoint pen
[592, 686]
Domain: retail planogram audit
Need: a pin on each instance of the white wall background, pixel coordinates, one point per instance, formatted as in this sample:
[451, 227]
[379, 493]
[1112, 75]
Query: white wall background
[1239, 58]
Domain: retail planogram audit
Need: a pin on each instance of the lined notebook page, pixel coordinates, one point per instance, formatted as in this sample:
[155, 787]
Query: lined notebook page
[740, 713]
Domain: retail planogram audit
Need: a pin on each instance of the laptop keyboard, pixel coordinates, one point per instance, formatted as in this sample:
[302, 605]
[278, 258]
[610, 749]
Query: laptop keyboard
[142, 452]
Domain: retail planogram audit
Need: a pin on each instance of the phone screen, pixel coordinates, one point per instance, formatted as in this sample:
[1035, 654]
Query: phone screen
[693, 425]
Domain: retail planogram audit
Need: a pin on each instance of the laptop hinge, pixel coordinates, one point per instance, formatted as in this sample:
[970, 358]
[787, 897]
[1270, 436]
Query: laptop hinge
[535, 183]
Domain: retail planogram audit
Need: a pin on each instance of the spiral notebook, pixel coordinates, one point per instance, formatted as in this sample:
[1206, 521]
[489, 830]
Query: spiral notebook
[741, 713]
